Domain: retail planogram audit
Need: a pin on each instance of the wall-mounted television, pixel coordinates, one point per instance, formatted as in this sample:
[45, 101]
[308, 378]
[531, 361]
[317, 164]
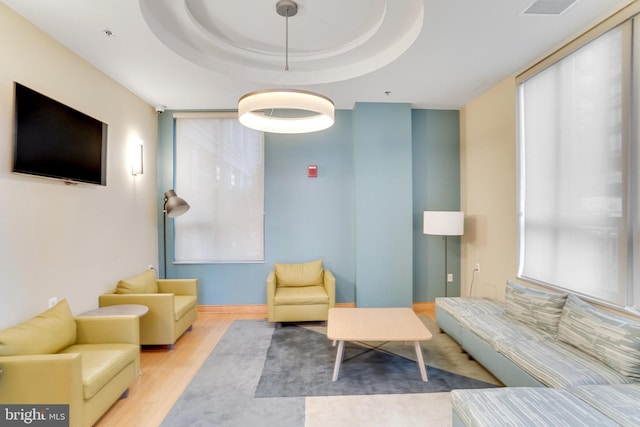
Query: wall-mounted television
[54, 140]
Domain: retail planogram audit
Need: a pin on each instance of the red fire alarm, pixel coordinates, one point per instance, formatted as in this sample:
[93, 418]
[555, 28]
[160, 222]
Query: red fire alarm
[312, 171]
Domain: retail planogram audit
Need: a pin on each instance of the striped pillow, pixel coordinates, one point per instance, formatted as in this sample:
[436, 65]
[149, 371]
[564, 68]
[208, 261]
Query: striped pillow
[538, 308]
[610, 337]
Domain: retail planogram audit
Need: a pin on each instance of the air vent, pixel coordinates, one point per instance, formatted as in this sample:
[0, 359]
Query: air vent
[549, 7]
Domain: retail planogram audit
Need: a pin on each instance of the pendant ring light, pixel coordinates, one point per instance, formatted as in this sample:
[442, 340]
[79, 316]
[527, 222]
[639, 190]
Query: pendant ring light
[306, 111]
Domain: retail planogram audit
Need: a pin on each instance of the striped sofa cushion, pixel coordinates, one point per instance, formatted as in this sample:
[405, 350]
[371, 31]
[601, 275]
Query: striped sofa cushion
[621, 403]
[612, 338]
[459, 307]
[557, 364]
[494, 328]
[532, 406]
[535, 307]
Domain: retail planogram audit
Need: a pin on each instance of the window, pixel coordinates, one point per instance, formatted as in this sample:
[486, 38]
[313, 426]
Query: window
[220, 171]
[578, 194]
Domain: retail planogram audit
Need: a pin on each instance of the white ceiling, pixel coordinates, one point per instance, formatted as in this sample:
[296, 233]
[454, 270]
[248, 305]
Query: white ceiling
[205, 54]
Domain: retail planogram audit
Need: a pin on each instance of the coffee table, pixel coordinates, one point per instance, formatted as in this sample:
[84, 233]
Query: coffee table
[376, 324]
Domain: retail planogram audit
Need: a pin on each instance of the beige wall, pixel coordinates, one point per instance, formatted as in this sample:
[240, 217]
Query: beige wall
[489, 180]
[70, 242]
[488, 193]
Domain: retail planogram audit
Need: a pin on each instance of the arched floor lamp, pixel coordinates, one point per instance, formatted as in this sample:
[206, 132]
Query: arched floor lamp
[444, 223]
[173, 206]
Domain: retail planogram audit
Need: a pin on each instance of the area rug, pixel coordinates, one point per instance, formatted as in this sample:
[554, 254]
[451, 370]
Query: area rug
[248, 380]
[300, 362]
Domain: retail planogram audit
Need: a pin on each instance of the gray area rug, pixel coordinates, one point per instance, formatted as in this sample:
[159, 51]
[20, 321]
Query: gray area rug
[300, 363]
[221, 393]
[260, 375]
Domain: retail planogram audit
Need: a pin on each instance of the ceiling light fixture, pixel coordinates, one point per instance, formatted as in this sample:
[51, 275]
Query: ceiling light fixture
[286, 110]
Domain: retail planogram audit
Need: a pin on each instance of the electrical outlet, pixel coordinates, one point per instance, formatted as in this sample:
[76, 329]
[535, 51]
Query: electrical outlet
[450, 277]
[150, 267]
[53, 301]
[477, 267]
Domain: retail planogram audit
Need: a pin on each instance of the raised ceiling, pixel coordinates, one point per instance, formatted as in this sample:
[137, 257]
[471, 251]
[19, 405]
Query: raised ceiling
[205, 54]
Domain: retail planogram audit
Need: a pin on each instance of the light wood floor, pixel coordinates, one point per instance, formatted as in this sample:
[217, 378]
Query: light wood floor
[166, 373]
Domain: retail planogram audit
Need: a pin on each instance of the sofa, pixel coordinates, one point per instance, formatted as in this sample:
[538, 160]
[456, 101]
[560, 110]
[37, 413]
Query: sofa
[546, 347]
[53, 358]
[172, 303]
[300, 292]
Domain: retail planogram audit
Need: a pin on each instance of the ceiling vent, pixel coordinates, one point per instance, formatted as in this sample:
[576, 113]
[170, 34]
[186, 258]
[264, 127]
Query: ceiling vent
[549, 7]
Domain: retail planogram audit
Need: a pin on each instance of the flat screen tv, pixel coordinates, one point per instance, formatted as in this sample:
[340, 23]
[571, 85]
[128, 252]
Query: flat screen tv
[55, 141]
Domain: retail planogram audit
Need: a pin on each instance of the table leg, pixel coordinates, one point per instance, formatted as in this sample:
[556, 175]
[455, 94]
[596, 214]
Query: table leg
[423, 371]
[336, 367]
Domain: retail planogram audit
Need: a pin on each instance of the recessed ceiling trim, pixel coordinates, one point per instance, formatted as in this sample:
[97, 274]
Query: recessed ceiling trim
[245, 39]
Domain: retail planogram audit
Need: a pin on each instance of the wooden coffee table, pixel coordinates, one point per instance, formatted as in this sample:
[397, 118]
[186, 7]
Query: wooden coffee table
[376, 324]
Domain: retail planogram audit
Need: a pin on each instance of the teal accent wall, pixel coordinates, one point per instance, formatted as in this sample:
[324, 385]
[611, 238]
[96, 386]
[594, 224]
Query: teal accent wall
[383, 205]
[436, 187]
[310, 218]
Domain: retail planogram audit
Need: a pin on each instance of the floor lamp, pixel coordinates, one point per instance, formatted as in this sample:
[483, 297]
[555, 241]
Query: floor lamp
[173, 206]
[444, 223]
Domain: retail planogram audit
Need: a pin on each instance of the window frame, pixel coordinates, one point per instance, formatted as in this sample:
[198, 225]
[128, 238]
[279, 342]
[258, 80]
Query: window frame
[206, 211]
[630, 129]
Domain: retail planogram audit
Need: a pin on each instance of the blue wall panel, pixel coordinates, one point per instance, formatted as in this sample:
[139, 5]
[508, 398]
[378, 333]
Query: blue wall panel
[305, 218]
[309, 218]
[383, 205]
[436, 186]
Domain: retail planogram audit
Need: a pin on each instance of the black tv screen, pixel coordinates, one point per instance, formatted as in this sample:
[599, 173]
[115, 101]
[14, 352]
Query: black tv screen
[54, 140]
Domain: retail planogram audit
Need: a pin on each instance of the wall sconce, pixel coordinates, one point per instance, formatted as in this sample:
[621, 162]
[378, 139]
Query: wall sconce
[136, 155]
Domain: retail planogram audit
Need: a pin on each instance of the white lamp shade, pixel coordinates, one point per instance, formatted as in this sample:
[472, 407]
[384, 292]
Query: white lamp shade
[443, 223]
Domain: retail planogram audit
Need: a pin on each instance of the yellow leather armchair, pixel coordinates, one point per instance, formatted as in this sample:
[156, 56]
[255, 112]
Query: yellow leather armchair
[87, 363]
[300, 292]
[172, 303]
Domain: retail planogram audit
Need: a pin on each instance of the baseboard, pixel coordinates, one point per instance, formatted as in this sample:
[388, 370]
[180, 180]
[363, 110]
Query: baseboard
[345, 305]
[234, 309]
[424, 306]
[247, 308]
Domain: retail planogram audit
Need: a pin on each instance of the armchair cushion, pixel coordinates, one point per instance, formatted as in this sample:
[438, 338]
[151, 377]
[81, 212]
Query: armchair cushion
[183, 304]
[296, 295]
[101, 363]
[48, 332]
[304, 274]
[144, 283]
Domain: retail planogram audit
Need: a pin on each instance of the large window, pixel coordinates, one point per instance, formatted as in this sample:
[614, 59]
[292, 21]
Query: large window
[219, 170]
[577, 156]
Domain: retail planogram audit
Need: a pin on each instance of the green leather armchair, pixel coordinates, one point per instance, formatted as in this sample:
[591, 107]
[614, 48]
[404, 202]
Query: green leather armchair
[87, 363]
[173, 305]
[300, 292]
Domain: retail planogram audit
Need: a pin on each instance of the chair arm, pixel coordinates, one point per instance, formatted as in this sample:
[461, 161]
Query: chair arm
[107, 330]
[330, 286]
[178, 286]
[271, 293]
[42, 379]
